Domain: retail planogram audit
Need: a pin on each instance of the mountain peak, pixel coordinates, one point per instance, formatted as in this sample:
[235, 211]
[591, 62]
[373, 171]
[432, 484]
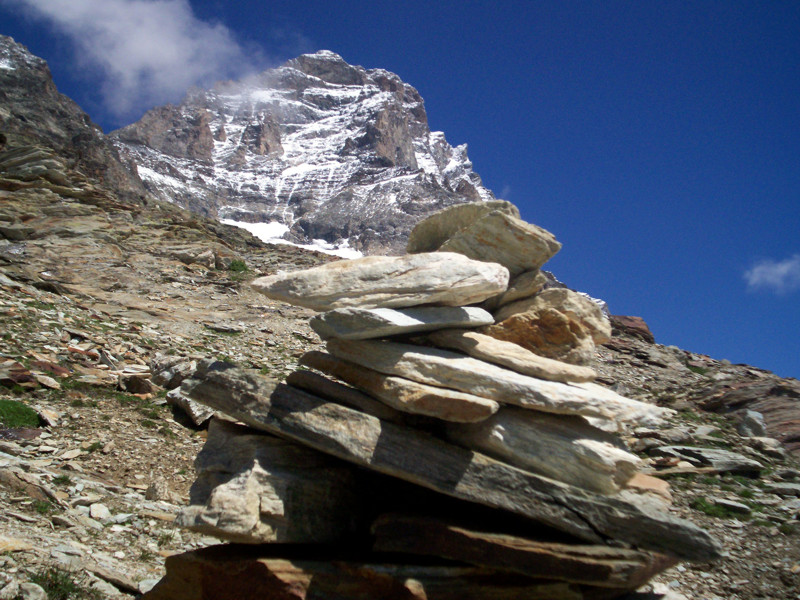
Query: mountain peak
[327, 150]
[329, 67]
[325, 54]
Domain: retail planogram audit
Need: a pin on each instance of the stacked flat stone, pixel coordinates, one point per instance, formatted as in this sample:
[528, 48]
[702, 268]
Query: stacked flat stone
[498, 456]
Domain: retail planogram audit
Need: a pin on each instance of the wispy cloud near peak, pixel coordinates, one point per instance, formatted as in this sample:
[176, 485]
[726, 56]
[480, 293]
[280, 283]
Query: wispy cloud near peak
[780, 277]
[146, 52]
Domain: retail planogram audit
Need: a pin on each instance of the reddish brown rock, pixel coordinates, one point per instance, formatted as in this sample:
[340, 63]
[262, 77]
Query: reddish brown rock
[778, 400]
[236, 573]
[557, 323]
[631, 326]
[595, 565]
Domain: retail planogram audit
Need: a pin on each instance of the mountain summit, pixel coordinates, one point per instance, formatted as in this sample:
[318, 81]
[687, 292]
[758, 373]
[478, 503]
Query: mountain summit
[329, 150]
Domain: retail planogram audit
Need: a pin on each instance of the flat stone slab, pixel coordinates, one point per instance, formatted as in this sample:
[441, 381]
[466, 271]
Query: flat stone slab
[501, 238]
[442, 368]
[367, 323]
[595, 565]
[439, 278]
[562, 447]
[784, 489]
[721, 461]
[524, 285]
[422, 459]
[509, 355]
[403, 394]
[735, 507]
[234, 572]
[197, 413]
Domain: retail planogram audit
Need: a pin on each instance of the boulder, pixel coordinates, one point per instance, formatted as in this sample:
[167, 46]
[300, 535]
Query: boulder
[631, 326]
[429, 234]
[256, 488]
[498, 237]
[751, 424]
[557, 323]
[509, 355]
[777, 399]
[366, 323]
[440, 278]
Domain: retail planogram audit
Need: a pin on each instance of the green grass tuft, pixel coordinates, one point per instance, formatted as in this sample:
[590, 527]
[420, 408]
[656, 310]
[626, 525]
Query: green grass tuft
[715, 510]
[238, 266]
[59, 584]
[17, 414]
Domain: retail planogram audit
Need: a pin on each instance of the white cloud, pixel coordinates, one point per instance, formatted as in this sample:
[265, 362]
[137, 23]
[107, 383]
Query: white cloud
[505, 193]
[147, 52]
[777, 276]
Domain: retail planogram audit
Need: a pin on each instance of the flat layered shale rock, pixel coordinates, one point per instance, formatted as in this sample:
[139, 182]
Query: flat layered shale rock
[345, 395]
[367, 323]
[403, 394]
[429, 234]
[722, 461]
[440, 278]
[509, 355]
[500, 238]
[237, 573]
[564, 448]
[196, 412]
[422, 459]
[442, 368]
[255, 488]
[522, 286]
[594, 565]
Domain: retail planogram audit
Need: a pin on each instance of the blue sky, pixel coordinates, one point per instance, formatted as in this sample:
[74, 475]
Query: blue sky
[659, 141]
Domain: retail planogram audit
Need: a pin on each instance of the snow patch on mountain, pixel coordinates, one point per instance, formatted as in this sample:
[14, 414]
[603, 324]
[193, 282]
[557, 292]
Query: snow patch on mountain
[272, 233]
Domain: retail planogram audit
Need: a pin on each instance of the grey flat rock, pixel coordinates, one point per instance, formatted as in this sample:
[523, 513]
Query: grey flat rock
[509, 355]
[439, 278]
[720, 460]
[564, 448]
[366, 323]
[256, 488]
[403, 394]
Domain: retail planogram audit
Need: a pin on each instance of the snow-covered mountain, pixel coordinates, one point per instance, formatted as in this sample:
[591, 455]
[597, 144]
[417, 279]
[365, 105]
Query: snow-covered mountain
[325, 150]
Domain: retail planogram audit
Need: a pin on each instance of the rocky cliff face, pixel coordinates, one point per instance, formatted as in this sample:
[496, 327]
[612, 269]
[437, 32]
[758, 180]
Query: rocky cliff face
[330, 150]
[33, 112]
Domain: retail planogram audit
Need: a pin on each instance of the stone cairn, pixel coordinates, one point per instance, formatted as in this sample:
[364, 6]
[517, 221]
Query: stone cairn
[450, 444]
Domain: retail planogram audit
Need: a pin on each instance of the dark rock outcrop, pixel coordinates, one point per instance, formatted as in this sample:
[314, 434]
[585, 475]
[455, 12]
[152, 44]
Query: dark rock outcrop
[175, 132]
[34, 113]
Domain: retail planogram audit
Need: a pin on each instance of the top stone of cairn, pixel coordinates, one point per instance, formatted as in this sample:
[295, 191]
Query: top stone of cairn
[490, 232]
[438, 278]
